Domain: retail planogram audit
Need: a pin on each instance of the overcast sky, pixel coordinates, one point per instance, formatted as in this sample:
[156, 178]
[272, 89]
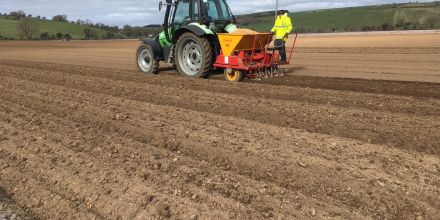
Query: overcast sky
[143, 12]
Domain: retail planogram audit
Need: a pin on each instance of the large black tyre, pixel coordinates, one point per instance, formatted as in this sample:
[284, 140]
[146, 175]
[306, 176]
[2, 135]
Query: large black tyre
[193, 55]
[173, 60]
[146, 62]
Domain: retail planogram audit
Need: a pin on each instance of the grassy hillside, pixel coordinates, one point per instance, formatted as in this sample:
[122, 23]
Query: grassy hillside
[384, 17]
[8, 28]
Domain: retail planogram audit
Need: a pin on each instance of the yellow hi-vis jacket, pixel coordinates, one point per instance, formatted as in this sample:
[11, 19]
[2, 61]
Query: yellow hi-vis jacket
[283, 26]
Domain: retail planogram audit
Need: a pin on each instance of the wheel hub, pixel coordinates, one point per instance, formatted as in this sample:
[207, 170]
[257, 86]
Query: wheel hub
[194, 56]
[144, 60]
[232, 75]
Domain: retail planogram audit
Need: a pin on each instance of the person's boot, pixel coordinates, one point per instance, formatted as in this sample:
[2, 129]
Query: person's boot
[283, 59]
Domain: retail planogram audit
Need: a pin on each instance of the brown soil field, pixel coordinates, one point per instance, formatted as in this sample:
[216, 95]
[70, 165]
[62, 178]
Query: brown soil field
[402, 57]
[352, 132]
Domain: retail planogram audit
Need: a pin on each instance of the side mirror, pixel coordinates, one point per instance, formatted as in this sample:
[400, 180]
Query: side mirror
[160, 6]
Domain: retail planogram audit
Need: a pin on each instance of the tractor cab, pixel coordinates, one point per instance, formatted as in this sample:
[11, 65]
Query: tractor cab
[215, 14]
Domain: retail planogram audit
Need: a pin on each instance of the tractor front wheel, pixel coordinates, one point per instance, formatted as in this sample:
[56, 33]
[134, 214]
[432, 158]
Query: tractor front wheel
[145, 60]
[193, 55]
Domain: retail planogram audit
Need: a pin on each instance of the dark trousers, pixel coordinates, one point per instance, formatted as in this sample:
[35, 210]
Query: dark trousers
[281, 46]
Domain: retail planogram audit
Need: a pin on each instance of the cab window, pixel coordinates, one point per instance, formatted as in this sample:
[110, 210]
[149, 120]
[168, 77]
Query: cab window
[181, 13]
[216, 10]
[196, 10]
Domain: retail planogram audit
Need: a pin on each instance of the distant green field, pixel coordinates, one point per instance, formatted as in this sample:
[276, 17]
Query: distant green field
[395, 17]
[8, 28]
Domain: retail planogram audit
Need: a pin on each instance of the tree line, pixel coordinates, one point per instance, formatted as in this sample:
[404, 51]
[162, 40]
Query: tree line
[28, 27]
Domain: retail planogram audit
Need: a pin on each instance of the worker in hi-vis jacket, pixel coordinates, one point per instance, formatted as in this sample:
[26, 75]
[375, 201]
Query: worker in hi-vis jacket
[282, 28]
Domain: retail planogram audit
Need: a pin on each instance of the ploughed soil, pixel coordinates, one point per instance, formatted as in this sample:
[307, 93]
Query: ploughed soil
[84, 141]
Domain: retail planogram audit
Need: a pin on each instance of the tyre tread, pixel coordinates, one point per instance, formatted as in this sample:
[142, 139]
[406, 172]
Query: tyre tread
[155, 64]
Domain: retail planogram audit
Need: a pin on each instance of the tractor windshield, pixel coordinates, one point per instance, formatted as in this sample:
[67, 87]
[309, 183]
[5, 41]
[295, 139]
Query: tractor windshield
[217, 10]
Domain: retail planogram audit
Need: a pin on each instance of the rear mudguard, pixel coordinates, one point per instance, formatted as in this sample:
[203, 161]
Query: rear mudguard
[195, 28]
[158, 50]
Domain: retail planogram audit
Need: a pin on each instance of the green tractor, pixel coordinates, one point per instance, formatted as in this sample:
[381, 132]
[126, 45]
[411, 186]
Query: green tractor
[189, 40]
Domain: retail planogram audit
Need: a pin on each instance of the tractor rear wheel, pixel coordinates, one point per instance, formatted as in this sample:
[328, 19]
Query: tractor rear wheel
[234, 75]
[145, 60]
[193, 55]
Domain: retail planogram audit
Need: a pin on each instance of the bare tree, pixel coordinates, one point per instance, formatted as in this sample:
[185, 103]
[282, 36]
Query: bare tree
[89, 31]
[27, 28]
